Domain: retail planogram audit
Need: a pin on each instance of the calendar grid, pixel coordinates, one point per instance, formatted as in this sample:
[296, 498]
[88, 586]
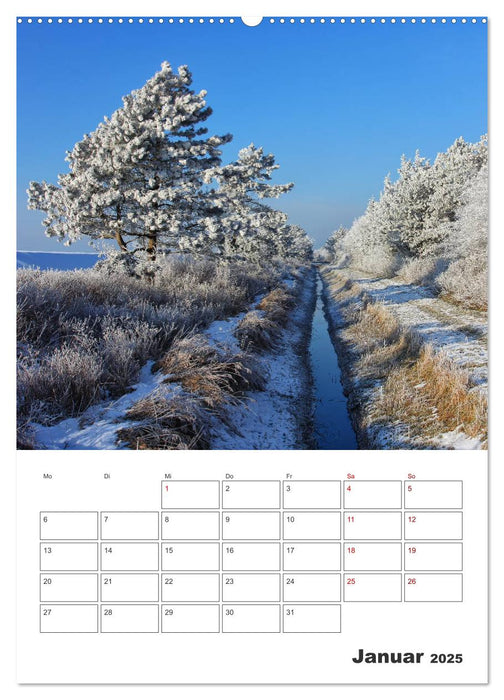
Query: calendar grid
[251, 556]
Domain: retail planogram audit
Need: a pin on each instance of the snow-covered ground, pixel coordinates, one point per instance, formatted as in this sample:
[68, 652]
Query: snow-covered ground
[459, 333]
[270, 419]
[96, 429]
[274, 419]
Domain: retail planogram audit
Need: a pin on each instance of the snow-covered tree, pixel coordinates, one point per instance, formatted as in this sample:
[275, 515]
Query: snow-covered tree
[332, 247]
[424, 199]
[466, 246]
[406, 205]
[293, 243]
[452, 171]
[417, 213]
[241, 224]
[367, 244]
[138, 178]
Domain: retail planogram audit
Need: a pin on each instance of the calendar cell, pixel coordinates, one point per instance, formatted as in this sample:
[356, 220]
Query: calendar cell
[129, 618]
[372, 494]
[190, 618]
[311, 526]
[315, 588]
[372, 526]
[62, 525]
[190, 556]
[189, 495]
[251, 494]
[190, 587]
[313, 556]
[63, 588]
[261, 588]
[432, 526]
[312, 618]
[251, 618]
[68, 618]
[130, 525]
[126, 587]
[432, 556]
[68, 556]
[372, 556]
[433, 494]
[312, 494]
[130, 556]
[250, 526]
[445, 588]
[372, 588]
[251, 556]
[177, 525]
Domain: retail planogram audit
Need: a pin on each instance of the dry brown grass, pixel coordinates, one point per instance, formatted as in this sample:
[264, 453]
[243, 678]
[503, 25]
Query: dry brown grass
[373, 326]
[277, 305]
[422, 390]
[433, 395]
[379, 341]
[349, 295]
[166, 423]
[211, 377]
[257, 332]
[260, 330]
[216, 375]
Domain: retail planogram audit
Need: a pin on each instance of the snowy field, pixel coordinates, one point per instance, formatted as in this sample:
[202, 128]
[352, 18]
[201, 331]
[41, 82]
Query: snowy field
[462, 334]
[271, 419]
[453, 332]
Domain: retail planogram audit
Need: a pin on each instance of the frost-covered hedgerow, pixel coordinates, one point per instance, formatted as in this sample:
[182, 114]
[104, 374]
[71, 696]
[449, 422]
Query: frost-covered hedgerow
[466, 279]
[430, 225]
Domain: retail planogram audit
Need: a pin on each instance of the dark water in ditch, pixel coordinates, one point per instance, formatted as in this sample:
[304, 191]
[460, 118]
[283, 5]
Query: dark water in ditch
[332, 427]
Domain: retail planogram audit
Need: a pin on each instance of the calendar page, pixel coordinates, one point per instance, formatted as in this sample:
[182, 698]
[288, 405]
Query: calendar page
[236, 572]
[252, 340]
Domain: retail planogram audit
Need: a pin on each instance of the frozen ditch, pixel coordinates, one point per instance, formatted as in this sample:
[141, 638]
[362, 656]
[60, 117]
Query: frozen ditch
[331, 422]
[302, 406]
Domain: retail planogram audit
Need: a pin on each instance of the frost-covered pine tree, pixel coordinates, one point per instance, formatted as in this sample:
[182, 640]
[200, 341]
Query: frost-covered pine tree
[452, 171]
[406, 207]
[423, 215]
[138, 178]
[293, 243]
[466, 279]
[241, 225]
[332, 247]
[367, 244]
[419, 206]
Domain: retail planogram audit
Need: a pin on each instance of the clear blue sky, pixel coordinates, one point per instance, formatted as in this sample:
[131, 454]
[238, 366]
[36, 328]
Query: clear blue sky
[336, 104]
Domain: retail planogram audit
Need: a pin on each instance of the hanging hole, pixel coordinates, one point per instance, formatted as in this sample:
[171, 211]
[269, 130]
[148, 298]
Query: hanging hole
[251, 21]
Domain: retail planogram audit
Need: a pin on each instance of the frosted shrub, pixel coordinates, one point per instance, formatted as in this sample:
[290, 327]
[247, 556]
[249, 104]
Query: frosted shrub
[64, 384]
[367, 245]
[123, 351]
[217, 375]
[423, 271]
[466, 280]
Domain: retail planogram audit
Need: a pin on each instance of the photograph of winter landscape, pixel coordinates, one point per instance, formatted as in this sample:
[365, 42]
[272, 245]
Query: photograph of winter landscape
[252, 238]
